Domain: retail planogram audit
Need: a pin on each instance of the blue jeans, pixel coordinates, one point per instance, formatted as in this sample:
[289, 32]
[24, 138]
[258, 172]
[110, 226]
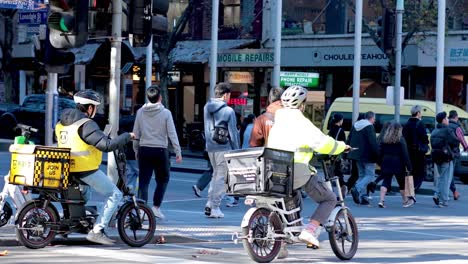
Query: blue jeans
[132, 175]
[442, 180]
[366, 175]
[205, 179]
[103, 185]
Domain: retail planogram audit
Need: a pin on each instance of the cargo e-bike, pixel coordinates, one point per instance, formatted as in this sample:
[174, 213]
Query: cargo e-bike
[39, 221]
[265, 177]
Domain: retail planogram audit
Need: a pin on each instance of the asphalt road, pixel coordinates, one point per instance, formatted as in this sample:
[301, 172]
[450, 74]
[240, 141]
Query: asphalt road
[421, 234]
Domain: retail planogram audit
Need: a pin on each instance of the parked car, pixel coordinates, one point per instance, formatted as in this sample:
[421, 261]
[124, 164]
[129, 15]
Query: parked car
[32, 113]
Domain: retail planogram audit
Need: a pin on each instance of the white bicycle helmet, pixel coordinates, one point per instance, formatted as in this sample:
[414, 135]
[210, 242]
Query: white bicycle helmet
[294, 96]
[87, 97]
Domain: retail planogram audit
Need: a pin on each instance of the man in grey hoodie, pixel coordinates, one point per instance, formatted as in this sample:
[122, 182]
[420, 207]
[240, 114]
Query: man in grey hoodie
[153, 127]
[217, 113]
[362, 136]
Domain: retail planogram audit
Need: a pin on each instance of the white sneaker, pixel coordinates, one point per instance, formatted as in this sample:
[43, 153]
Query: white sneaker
[157, 212]
[216, 213]
[308, 237]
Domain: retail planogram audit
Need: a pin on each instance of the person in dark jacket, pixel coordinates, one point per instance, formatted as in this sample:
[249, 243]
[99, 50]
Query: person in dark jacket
[76, 130]
[417, 141]
[362, 136]
[443, 141]
[394, 160]
[337, 132]
[459, 133]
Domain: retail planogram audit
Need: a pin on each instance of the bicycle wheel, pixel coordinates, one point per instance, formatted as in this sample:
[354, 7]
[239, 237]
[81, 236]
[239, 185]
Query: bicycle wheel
[136, 226]
[6, 214]
[344, 244]
[34, 225]
[260, 249]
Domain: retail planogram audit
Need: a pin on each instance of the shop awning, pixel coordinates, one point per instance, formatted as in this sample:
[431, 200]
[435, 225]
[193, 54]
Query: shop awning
[138, 53]
[85, 54]
[198, 51]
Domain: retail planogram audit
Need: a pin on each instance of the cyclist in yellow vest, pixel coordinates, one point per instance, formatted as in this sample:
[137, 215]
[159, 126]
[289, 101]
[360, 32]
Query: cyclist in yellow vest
[77, 130]
[292, 131]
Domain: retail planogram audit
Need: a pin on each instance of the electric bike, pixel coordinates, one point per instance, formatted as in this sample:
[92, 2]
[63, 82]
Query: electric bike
[39, 221]
[17, 194]
[275, 219]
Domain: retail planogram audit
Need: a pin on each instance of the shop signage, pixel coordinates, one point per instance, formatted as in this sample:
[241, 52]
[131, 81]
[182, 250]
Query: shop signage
[246, 58]
[305, 79]
[22, 4]
[239, 77]
[32, 21]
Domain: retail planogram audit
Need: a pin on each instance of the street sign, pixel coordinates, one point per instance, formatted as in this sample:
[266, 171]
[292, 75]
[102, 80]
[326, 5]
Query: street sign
[23, 4]
[304, 79]
[32, 21]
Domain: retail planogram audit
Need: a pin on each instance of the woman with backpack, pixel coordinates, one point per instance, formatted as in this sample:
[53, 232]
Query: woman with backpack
[394, 161]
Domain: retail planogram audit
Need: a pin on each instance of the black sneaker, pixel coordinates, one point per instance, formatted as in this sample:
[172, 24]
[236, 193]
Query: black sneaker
[436, 200]
[99, 238]
[364, 201]
[355, 195]
[207, 211]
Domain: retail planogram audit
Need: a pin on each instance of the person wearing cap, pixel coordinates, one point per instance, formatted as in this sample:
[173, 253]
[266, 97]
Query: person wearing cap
[443, 141]
[76, 130]
[417, 142]
[456, 128]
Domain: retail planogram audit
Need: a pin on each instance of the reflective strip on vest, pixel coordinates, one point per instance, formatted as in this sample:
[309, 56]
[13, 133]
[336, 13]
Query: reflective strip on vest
[84, 157]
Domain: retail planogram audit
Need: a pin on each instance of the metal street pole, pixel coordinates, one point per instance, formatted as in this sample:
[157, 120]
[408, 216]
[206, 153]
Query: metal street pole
[400, 7]
[277, 60]
[357, 59]
[440, 55]
[51, 107]
[214, 46]
[114, 84]
[149, 64]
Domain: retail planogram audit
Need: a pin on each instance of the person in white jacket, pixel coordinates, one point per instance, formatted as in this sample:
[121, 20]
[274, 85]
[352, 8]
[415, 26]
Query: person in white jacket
[292, 131]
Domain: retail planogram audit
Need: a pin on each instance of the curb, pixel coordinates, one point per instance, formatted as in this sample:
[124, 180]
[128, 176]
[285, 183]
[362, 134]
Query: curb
[169, 239]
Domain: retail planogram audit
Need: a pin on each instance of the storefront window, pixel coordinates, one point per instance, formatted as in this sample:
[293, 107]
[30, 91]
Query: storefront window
[176, 9]
[231, 13]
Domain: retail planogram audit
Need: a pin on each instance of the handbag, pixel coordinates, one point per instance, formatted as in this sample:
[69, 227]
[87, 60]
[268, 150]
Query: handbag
[409, 186]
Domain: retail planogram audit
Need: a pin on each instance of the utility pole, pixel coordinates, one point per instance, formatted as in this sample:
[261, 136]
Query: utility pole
[114, 84]
[357, 59]
[51, 107]
[277, 60]
[214, 46]
[149, 65]
[400, 6]
[440, 55]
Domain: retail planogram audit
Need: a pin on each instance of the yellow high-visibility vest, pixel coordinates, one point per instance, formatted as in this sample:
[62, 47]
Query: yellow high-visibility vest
[84, 157]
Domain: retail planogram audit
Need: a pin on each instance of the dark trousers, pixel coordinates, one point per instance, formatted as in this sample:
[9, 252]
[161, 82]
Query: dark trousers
[418, 162]
[354, 175]
[205, 179]
[153, 160]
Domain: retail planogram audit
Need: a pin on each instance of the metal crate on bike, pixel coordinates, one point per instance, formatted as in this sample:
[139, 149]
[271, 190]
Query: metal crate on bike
[39, 166]
[259, 171]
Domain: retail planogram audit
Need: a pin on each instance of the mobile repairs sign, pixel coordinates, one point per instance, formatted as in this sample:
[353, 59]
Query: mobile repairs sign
[304, 79]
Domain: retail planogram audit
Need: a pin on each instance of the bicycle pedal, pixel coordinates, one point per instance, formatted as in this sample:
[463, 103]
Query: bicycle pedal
[312, 246]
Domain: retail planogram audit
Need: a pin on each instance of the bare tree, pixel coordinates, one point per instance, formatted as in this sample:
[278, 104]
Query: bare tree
[6, 44]
[166, 43]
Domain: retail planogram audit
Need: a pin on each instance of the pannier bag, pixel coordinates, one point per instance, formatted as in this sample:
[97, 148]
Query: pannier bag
[259, 171]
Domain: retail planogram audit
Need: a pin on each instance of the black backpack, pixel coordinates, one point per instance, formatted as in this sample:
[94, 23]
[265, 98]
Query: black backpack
[220, 132]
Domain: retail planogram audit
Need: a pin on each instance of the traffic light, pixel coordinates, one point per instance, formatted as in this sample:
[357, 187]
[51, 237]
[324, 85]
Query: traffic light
[386, 31]
[160, 8]
[389, 31]
[68, 23]
[140, 25]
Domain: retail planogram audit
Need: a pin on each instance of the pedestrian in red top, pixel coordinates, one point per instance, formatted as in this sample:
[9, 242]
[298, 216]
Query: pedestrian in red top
[455, 126]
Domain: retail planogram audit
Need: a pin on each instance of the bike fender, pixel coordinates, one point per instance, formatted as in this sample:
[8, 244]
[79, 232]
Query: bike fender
[333, 214]
[248, 214]
[31, 202]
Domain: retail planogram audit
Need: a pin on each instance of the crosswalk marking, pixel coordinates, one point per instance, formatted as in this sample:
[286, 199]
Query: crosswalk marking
[116, 254]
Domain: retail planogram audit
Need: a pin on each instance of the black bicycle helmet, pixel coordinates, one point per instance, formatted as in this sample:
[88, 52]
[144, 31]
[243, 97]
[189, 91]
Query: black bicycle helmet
[86, 97]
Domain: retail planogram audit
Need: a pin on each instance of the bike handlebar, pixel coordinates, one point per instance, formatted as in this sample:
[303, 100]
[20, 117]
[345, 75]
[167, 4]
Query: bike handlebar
[26, 128]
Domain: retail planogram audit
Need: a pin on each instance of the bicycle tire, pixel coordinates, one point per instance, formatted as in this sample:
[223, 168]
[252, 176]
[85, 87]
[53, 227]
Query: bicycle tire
[339, 235]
